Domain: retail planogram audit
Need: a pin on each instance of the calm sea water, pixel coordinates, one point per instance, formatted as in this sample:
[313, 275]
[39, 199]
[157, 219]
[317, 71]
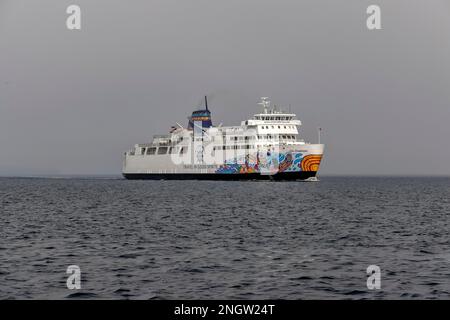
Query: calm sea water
[238, 240]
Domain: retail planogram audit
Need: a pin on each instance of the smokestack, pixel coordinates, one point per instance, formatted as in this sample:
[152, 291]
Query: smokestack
[206, 103]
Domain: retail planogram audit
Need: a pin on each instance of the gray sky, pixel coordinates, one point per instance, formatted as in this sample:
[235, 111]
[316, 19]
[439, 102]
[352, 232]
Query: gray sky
[71, 102]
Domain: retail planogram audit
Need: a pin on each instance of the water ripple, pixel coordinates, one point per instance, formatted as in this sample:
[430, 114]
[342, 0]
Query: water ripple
[225, 240]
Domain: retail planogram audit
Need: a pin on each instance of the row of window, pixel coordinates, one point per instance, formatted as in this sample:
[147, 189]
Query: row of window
[273, 118]
[279, 127]
[182, 150]
[240, 138]
[234, 147]
[259, 137]
[163, 150]
[270, 136]
[232, 138]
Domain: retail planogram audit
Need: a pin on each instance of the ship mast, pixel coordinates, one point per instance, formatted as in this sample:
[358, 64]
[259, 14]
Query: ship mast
[265, 103]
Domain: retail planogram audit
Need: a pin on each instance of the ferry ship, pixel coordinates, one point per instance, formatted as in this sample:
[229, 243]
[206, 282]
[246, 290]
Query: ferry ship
[264, 147]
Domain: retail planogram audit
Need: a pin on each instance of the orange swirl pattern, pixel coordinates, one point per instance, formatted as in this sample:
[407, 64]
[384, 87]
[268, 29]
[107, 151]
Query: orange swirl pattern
[311, 162]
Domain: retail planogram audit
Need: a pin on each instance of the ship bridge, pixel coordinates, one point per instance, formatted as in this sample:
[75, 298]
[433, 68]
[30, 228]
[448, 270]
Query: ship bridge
[273, 121]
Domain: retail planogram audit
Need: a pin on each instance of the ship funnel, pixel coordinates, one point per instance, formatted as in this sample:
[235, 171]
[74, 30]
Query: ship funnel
[201, 118]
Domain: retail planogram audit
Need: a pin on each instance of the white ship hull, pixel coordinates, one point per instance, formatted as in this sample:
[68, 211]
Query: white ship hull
[288, 164]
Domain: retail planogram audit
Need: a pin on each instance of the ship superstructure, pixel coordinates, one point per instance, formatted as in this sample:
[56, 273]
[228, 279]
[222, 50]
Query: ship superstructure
[266, 146]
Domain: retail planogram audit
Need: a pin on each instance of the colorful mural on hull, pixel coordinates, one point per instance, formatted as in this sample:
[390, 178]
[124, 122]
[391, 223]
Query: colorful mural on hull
[311, 162]
[270, 163]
